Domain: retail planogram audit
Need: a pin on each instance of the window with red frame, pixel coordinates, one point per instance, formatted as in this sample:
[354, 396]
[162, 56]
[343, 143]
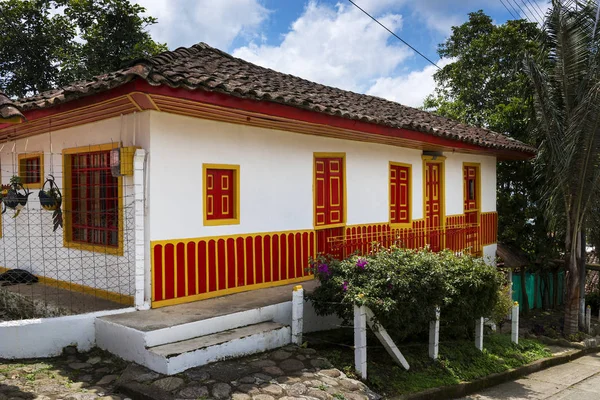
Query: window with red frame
[31, 170]
[94, 200]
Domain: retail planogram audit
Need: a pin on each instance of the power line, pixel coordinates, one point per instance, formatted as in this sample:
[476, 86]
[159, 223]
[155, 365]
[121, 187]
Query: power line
[535, 17]
[523, 13]
[507, 9]
[514, 9]
[540, 15]
[539, 8]
[396, 36]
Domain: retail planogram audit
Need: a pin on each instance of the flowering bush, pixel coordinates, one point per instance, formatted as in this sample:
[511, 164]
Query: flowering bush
[402, 288]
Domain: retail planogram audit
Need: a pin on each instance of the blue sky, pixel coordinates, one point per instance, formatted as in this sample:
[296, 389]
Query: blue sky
[330, 41]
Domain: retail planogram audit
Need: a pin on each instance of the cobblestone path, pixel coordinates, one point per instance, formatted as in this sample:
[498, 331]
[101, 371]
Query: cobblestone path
[285, 374]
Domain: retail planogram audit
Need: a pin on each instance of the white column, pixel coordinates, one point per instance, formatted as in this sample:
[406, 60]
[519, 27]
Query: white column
[140, 246]
[588, 319]
[360, 341]
[297, 314]
[479, 333]
[514, 332]
[434, 335]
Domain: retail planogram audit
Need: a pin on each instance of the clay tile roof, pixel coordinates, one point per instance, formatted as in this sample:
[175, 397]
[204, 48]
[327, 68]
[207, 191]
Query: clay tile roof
[209, 69]
[8, 111]
[511, 257]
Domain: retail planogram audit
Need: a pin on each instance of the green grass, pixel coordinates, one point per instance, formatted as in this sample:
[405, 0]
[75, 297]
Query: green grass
[459, 361]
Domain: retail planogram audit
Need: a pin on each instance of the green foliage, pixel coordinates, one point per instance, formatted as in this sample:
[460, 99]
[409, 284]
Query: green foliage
[565, 78]
[403, 287]
[459, 361]
[32, 44]
[485, 85]
[503, 306]
[47, 43]
[593, 300]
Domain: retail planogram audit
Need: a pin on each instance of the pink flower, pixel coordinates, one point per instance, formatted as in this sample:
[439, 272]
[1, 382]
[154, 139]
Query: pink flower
[345, 286]
[361, 263]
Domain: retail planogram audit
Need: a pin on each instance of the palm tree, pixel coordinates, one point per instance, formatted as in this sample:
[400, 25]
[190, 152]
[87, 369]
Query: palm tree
[566, 80]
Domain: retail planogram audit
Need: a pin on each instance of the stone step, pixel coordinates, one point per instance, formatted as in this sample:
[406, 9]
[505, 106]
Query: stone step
[179, 356]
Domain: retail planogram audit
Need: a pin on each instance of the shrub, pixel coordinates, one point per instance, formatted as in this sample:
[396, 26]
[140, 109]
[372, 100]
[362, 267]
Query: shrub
[593, 300]
[503, 306]
[402, 288]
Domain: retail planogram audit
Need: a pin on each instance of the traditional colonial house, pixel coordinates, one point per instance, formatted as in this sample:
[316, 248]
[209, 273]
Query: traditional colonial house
[195, 174]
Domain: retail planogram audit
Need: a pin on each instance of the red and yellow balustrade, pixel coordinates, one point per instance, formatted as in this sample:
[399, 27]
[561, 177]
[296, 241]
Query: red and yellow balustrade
[195, 269]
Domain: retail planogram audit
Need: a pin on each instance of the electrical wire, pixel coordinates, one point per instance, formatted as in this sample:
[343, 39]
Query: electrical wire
[535, 17]
[392, 33]
[522, 13]
[507, 9]
[537, 14]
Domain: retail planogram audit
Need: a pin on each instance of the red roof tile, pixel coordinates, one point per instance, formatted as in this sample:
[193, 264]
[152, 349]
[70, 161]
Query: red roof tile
[206, 68]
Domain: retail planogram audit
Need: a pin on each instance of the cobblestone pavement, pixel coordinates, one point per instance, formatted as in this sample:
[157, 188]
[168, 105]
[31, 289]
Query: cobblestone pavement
[285, 374]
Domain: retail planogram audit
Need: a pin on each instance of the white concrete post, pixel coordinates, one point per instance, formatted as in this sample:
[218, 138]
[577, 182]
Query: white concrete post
[479, 333]
[514, 332]
[139, 217]
[360, 341]
[297, 314]
[588, 319]
[434, 335]
[386, 340]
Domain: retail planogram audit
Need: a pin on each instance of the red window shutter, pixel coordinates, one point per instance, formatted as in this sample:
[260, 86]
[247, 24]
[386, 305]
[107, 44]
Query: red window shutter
[470, 188]
[329, 191]
[399, 194]
[220, 194]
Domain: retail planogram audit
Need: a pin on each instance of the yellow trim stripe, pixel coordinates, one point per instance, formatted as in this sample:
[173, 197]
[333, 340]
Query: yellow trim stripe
[76, 287]
[218, 293]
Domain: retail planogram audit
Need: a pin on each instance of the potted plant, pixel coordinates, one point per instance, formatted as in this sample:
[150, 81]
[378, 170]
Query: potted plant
[16, 195]
[51, 200]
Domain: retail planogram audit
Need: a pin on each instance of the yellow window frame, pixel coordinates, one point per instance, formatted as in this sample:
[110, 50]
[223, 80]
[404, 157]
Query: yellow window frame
[24, 157]
[477, 188]
[407, 224]
[236, 195]
[67, 199]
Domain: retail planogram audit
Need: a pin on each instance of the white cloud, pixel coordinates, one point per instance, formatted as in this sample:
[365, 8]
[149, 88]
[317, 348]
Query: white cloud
[336, 46]
[218, 23]
[410, 89]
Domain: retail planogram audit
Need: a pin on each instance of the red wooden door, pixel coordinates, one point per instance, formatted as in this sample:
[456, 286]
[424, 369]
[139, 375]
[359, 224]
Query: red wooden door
[329, 201]
[433, 206]
[471, 205]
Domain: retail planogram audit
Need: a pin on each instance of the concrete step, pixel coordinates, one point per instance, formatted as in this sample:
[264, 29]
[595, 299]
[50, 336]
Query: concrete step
[179, 356]
[185, 321]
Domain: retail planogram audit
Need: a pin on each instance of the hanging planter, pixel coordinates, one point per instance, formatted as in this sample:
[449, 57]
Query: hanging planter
[51, 200]
[14, 196]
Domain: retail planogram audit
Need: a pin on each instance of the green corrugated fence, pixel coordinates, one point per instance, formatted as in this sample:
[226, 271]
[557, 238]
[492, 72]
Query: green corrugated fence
[530, 288]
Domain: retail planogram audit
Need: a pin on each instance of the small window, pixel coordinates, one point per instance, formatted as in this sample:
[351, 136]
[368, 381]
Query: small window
[471, 187]
[93, 201]
[31, 170]
[221, 194]
[400, 207]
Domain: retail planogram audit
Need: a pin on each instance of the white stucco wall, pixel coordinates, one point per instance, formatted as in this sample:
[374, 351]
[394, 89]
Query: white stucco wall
[46, 337]
[28, 241]
[454, 182]
[276, 177]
